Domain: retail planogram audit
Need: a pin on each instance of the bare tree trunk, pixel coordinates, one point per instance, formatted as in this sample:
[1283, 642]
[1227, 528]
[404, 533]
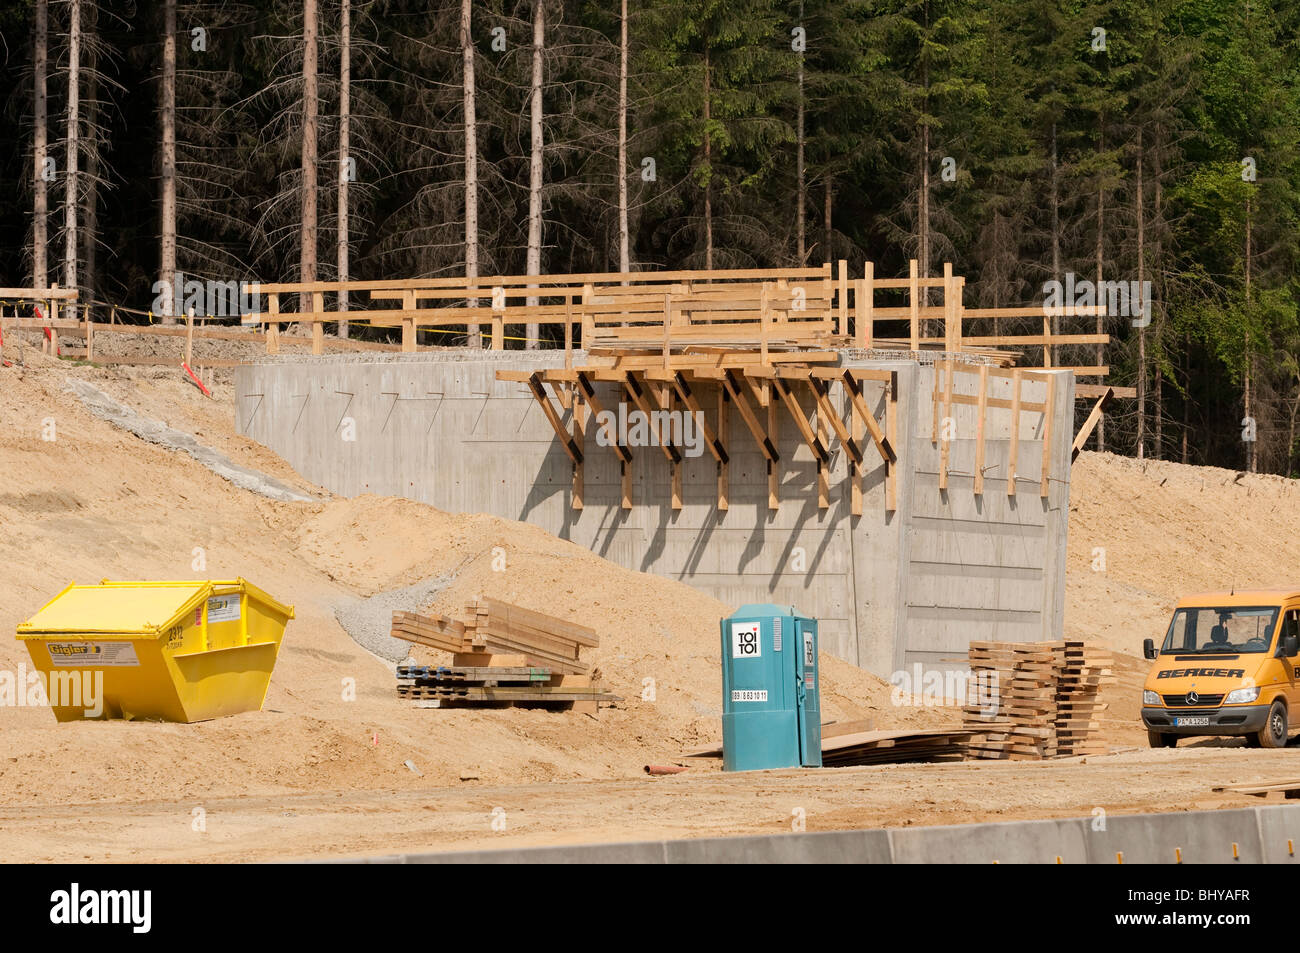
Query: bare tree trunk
[708, 185]
[471, 162]
[1155, 316]
[310, 106]
[1142, 331]
[1248, 397]
[1054, 200]
[923, 217]
[826, 216]
[535, 169]
[624, 253]
[1101, 319]
[40, 201]
[167, 268]
[801, 189]
[73, 146]
[90, 199]
[345, 121]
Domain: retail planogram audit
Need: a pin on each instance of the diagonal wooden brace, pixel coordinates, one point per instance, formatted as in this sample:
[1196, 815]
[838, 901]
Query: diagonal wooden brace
[539, 392]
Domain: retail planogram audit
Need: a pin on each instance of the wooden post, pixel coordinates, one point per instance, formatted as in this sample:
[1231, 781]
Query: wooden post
[958, 310]
[273, 326]
[90, 334]
[724, 478]
[762, 324]
[579, 423]
[947, 306]
[891, 431]
[844, 298]
[981, 407]
[914, 305]
[945, 444]
[189, 337]
[408, 321]
[1049, 411]
[317, 327]
[773, 466]
[856, 470]
[668, 320]
[1013, 451]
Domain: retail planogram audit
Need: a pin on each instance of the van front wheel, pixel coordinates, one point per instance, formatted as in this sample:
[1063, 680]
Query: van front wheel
[1273, 734]
[1159, 739]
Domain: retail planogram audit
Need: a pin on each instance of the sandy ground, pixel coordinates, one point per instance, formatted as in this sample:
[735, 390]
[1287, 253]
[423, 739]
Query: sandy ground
[315, 774]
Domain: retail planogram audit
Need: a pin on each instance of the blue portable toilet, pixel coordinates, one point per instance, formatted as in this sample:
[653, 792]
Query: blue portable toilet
[771, 711]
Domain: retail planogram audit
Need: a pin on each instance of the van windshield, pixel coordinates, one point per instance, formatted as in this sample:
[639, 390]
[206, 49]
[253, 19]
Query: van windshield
[1228, 630]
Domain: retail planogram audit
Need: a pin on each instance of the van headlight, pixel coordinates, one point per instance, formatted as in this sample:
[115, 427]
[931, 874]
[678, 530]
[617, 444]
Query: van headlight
[1240, 696]
[1149, 697]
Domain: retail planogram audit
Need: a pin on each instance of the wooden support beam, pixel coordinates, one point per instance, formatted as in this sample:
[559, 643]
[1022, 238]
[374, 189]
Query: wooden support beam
[317, 329]
[638, 394]
[979, 429]
[408, 323]
[579, 438]
[854, 386]
[731, 382]
[666, 401]
[843, 302]
[566, 441]
[715, 445]
[945, 445]
[589, 395]
[1048, 414]
[801, 420]
[821, 392]
[855, 466]
[1013, 451]
[891, 430]
[273, 328]
[823, 466]
[914, 305]
[949, 317]
[773, 465]
[724, 475]
[1090, 424]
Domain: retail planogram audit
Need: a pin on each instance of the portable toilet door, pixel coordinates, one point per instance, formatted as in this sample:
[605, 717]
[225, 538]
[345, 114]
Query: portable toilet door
[808, 693]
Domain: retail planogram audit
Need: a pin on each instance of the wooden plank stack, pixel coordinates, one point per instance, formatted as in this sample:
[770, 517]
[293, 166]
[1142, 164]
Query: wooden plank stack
[501, 654]
[1040, 700]
[489, 685]
[1079, 705]
[896, 747]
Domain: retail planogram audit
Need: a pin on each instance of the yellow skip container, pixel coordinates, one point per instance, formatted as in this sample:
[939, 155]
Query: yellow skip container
[168, 651]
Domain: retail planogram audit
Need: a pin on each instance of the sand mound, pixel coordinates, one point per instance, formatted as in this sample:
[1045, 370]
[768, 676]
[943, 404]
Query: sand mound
[96, 502]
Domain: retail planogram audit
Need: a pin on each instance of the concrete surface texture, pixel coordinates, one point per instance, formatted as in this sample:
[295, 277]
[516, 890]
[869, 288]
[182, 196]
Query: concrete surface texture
[1248, 836]
[891, 589]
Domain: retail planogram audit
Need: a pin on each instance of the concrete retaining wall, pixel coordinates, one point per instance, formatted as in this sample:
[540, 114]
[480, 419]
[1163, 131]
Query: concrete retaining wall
[1259, 835]
[890, 588]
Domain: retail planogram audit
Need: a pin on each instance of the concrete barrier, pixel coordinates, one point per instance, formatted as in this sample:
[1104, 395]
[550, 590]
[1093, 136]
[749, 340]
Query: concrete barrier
[1279, 833]
[1022, 842]
[1191, 837]
[1261, 835]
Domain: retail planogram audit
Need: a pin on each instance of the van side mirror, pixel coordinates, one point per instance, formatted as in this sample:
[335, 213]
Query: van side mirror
[1149, 649]
[1290, 646]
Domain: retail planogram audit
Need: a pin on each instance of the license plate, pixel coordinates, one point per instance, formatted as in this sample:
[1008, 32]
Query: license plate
[1190, 722]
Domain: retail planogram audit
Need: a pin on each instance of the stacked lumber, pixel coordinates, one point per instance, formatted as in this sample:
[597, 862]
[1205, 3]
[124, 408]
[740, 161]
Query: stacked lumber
[1078, 701]
[501, 654]
[493, 627]
[1039, 700]
[896, 747]
[455, 686]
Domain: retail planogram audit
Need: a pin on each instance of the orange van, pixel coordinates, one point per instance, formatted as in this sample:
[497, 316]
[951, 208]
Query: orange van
[1228, 666]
